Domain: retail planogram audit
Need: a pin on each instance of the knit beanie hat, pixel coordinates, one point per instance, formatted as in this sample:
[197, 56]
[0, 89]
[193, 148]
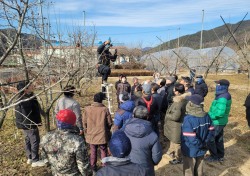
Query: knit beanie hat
[119, 144]
[66, 119]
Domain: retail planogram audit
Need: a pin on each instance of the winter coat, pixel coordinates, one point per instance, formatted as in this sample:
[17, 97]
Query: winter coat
[170, 95]
[105, 56]
[220, 108]
[154, 109]
[70, 103]
[201, 88]
[123, 87]
[116, 84]
[28, 113]
[146, 148]
[133, 88]
[124, 113]
[158, 98]
[120, 167]
[66, 152]
[197, 131]
[97, 123]
[162, 91]
[247, 102]
[190, 89]
[174, 118]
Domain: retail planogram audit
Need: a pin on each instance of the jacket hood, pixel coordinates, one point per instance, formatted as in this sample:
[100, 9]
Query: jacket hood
[115, 161]
[195, 110]
[186, 94]
[138, 128]
[179, 98]
[128, 106]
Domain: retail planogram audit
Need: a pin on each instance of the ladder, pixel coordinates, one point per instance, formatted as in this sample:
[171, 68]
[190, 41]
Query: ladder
[109, 95]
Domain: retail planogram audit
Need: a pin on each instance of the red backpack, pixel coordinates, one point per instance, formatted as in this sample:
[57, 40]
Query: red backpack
[148, 103]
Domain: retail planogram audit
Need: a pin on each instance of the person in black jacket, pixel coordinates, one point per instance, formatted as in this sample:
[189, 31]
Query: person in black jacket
[28, 118]
[247, 105]
[104, 57]
[200, 86]
[147, 100]
[119, 163]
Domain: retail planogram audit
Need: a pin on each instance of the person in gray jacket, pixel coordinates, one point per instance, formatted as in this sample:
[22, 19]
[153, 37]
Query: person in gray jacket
[67, 102]
[146, 149]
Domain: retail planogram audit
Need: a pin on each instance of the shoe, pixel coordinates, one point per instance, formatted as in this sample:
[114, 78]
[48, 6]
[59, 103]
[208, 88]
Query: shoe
[175, 161]
[221, 159]
[39, 163]
[29, 161]
[211, 159]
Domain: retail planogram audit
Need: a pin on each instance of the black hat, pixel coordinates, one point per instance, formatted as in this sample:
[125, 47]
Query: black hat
[199, 76]
[186, 79]
[196, 99]
[223, 82]
[21, 85]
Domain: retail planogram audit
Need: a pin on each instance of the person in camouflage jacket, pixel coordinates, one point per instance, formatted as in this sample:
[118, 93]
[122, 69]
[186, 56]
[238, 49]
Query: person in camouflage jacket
[64, 148]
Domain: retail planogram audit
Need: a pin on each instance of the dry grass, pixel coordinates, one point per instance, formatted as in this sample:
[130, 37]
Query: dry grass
[237, 135]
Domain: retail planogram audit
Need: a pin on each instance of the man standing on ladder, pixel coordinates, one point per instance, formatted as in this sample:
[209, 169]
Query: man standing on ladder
[104, 57]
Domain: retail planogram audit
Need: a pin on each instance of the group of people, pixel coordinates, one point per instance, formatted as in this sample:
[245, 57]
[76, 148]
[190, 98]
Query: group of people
[129, 143]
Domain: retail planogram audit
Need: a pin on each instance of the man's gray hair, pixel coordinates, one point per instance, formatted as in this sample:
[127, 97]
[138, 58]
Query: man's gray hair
[140, 112]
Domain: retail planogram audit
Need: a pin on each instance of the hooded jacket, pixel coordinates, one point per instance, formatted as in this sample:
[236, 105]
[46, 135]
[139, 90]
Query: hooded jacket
[197, 130]
[201, 88]
[120, 166]
[174, 118]
[146, 148]
[124, 113]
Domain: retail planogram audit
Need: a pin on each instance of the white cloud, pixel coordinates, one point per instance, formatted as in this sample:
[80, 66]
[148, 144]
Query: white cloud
[145, 13]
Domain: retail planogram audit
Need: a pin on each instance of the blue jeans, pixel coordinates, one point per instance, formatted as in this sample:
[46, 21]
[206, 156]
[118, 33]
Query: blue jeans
[216, 145]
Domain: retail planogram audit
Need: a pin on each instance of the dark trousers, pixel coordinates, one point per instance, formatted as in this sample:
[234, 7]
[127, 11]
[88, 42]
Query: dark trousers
[248, 116]
[93, 153]
[216, 145]
[32, 140]
[193, 166]
[105, 71]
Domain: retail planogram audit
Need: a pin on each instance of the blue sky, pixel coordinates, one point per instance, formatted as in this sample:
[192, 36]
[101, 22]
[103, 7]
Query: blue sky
[138, 22]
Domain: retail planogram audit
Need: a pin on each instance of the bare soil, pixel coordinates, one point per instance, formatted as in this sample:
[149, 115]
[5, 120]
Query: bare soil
[237, 137]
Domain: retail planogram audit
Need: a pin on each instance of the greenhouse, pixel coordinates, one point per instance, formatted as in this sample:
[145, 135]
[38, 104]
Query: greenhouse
[169, 61]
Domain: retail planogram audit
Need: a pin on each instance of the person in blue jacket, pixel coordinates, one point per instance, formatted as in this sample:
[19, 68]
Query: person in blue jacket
[197, 131]
[124, 112]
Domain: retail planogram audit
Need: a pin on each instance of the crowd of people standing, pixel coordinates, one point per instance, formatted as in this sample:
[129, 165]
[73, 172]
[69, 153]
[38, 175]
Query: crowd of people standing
[130, 142]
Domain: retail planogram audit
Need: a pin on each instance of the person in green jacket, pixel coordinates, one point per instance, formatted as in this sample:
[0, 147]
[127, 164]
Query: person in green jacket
[219, 112]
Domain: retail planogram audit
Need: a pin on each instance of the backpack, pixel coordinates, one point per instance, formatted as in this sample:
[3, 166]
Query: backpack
[148, 103]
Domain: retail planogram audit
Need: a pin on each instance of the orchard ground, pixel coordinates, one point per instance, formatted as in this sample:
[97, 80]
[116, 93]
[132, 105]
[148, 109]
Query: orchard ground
[237, 135]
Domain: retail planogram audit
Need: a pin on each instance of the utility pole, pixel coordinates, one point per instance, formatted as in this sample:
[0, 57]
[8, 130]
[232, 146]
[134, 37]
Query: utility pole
[202, 28]
[179, 37]
[84, 18]
[202, 20]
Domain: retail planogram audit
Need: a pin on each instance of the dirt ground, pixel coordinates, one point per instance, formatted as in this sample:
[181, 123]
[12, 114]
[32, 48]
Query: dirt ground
[237, 137]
